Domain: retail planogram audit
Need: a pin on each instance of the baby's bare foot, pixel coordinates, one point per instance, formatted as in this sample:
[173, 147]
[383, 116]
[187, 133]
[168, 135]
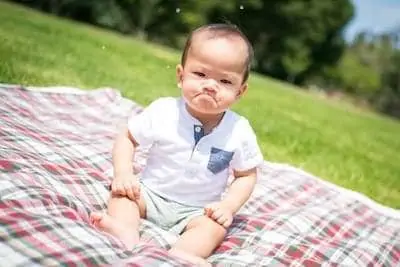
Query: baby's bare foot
[195, 260]
[128, 236]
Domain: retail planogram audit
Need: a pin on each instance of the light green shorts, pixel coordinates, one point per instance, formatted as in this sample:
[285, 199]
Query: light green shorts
[168, 214]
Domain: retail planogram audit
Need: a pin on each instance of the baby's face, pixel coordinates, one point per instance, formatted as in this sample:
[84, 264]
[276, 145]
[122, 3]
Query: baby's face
[212, 78]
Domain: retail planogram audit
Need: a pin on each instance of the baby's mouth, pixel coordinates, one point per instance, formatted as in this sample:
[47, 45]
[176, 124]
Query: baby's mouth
[208, 95]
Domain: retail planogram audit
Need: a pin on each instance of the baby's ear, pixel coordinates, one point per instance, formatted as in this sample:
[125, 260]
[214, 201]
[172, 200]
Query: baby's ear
[242, 90]
[179, 75]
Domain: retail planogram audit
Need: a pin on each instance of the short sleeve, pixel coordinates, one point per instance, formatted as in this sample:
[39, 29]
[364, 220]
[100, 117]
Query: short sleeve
[248, 154]
[142, 126]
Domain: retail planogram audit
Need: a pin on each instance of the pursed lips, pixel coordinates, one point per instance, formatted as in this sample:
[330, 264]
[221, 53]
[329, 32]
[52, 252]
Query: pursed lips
[209, 95]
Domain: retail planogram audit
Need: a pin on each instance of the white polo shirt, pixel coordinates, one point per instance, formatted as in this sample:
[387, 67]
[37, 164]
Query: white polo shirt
[183, 164]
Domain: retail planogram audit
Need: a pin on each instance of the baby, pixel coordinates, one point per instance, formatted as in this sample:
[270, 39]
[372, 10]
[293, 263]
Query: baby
[195, 142]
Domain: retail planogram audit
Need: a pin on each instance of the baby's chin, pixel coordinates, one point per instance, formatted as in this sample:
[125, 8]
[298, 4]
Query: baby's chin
[209, 111]
[205, 106]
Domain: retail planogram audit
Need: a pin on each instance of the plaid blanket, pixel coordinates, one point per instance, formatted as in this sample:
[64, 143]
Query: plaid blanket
[55, 161]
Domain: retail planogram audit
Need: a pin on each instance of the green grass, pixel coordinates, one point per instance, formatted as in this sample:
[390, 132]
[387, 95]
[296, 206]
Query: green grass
[350, 147]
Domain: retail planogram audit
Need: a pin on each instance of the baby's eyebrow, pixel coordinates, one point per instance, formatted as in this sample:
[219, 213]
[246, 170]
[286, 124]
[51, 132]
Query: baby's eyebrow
[229, 75]
[225, 74]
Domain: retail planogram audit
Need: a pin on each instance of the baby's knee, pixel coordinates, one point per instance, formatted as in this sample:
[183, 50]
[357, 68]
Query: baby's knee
[207, 226]
[214, 228]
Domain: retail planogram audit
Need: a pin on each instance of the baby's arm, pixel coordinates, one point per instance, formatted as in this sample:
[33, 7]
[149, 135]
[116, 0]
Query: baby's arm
[238, 193]
[123, 152]
[125, 183]
[240, 189]
[245, 161]
[139, 130]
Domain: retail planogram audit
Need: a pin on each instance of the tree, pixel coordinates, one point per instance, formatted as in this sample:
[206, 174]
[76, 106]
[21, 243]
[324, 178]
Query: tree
[293, 39]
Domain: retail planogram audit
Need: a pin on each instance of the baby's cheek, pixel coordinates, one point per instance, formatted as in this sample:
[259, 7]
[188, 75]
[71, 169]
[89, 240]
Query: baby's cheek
[228, 97]
[190, 87]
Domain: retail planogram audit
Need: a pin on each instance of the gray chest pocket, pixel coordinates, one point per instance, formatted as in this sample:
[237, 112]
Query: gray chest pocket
[219, 160]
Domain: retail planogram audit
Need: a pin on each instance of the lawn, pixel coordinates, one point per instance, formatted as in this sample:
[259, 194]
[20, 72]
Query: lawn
[351, 147]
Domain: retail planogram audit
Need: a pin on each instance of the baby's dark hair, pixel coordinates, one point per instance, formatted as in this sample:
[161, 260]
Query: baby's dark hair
[222, 30]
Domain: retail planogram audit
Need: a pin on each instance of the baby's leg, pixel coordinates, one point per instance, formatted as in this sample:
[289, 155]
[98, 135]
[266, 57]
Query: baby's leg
[122, 219]
[200, 238]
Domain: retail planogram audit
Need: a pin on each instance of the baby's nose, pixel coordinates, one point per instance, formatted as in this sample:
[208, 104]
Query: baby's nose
[210, 86]
[209, 89]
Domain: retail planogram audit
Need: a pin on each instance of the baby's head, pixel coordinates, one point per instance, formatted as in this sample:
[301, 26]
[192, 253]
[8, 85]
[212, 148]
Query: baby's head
[230, 33]
[214, 68]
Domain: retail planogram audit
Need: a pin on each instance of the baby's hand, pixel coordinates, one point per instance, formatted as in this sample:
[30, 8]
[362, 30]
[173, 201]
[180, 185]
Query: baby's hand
[219, 213]
[126, 185]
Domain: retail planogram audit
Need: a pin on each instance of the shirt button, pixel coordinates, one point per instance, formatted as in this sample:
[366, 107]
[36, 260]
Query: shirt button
[197, 129]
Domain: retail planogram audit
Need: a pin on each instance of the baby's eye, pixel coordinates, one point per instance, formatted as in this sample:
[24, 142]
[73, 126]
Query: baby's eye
[200, 74]
[224, 81]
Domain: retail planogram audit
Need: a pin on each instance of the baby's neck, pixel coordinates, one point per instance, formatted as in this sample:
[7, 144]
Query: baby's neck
[209, 121]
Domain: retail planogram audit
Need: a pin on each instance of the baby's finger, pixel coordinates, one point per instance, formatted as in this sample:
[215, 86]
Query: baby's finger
[129, 192]
[227, 223]
[221, 219]
[208, 212]
[114, 187]
[136, 191]
[121, 189]
[217, 214]
[126, 185]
